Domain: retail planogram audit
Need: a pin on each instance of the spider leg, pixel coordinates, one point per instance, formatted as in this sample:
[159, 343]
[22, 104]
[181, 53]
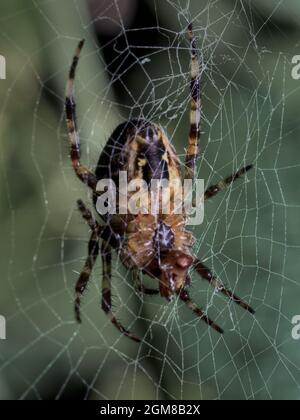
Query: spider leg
[88, 217]
[140, 287]
[214, 189]
[83, 173]
[184, 296]
[106, 291]
[205, 273]
[93, 252]
[195, 113]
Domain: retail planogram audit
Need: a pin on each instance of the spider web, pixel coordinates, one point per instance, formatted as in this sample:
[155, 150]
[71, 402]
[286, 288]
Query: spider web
[249, 237]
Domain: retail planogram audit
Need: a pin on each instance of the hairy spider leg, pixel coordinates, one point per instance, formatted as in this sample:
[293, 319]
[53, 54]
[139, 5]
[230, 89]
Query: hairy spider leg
[93, 252]
[106, 291]
[221, 185]
[139, 285]
[195, 113]
[206, 273]
[214, 189]
[185, 297]
[83, 173]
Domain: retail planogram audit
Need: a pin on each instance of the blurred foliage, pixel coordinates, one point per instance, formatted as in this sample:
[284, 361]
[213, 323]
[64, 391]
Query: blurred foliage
[250, 234]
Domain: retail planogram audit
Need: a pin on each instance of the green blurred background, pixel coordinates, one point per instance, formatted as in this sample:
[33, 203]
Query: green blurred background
[136, 63]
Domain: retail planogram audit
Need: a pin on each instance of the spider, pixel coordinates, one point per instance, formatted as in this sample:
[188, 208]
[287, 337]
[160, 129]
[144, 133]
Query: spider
[159, 247]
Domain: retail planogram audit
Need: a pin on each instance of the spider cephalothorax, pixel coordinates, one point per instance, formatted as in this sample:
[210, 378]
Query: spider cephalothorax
[159, 247]
[153, 243]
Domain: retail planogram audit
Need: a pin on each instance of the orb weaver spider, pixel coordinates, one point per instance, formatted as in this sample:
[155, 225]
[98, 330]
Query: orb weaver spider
[159, 247]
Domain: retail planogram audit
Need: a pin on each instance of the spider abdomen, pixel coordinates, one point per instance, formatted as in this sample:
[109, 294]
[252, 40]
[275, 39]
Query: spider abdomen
[142, 151]
[141, 148]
